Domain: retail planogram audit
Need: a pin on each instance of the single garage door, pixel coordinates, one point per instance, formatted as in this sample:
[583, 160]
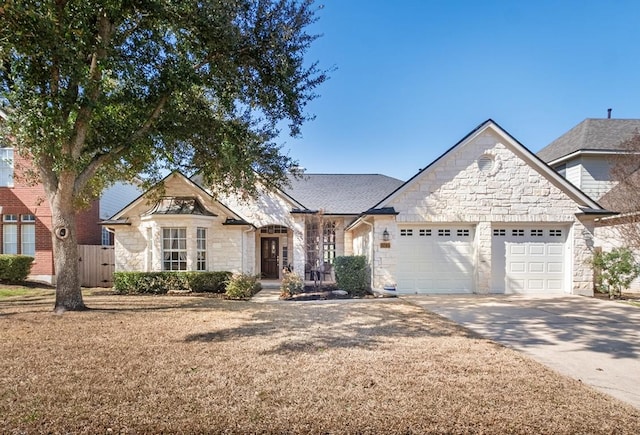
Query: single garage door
[435, 259]
[529, 259]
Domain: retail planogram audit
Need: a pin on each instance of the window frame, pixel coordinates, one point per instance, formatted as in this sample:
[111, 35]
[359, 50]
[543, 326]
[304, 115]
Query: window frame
[174, 249]
[201, 249]
[7, 165]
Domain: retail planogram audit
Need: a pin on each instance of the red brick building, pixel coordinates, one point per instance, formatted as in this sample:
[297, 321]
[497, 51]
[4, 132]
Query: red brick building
[25, 224]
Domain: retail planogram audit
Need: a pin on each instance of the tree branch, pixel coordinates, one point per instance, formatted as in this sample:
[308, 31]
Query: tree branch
[104, 158]
[81, 127]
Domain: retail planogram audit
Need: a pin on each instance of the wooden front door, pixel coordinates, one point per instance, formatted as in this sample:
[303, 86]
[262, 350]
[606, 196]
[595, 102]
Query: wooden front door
[269, 254]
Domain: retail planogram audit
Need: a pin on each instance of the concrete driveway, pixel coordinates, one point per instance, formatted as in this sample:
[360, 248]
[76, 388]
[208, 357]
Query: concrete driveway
[594, 341]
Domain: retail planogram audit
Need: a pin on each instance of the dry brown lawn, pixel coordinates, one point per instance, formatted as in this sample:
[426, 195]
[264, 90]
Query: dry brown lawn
[202, 365]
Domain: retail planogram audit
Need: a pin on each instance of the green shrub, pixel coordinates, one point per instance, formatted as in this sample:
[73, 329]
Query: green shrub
[615, 270]
[291, 284]
[352, 274]
[243, 286]
[149, 282]
[15, 268]
[208, 282]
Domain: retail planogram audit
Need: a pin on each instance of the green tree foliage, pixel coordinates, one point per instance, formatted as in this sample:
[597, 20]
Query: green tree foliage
[98, 91]
[616, 269]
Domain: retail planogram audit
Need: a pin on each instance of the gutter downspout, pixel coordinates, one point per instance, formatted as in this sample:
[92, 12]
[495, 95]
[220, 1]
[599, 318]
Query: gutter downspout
[372, 251]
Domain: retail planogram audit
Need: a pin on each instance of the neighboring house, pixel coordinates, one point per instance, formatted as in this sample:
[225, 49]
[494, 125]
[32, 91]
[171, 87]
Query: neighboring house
[25, 215]
[486, 216]
[584, 156]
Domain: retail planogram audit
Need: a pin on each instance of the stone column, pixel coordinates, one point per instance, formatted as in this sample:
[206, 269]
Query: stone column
[483, 240]
[298, 251]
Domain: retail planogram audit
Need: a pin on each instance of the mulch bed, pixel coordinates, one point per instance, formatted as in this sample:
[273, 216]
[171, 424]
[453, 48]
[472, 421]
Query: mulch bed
[313, 293]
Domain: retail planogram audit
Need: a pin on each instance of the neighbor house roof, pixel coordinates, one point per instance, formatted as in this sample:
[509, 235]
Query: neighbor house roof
[591, 135]
[341, 193]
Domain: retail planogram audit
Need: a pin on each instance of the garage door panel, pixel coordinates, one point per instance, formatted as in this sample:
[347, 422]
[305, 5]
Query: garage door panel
[555, 250]
[517, 249]
[435, 259]
[537, 249]
[536, 267]
[554, 284]
[517, 267]
[554, 267]
[528, 259]
[535, 284]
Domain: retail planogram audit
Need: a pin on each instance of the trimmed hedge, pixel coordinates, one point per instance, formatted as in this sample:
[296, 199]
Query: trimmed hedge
[163, 282]
[352, 274]
[208, 282]
[15, 268]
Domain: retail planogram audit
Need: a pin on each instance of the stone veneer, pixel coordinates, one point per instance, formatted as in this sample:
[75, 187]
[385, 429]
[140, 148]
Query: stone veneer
[455, 190]
[234, 248]
[138, 246]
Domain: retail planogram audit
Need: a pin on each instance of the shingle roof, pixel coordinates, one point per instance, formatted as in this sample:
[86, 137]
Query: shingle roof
[341, 193]
[591, 134]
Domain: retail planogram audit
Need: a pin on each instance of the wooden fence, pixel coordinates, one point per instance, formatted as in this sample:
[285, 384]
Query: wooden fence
[96, 265]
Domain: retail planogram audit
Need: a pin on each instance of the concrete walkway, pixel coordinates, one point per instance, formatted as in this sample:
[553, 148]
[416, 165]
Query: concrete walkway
[268, 294]
[594, 341]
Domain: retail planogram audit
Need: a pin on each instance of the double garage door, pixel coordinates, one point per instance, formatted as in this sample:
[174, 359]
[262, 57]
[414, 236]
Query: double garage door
[441, 259]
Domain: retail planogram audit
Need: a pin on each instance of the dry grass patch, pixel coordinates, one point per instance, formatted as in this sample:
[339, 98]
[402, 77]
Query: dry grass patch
[186, 364]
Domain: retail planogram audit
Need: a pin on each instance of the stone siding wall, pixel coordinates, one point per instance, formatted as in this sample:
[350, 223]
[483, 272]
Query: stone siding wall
[138, 246]
[456, 190]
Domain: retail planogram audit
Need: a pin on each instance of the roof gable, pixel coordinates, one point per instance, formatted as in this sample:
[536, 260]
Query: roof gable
[180, 186]
[591, 135]
[579, 197]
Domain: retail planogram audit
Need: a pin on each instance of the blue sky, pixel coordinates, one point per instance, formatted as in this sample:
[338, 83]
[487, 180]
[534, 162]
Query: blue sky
[413, 77]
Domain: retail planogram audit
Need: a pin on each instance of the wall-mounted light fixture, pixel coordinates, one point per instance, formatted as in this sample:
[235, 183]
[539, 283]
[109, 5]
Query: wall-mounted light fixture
[385, 235]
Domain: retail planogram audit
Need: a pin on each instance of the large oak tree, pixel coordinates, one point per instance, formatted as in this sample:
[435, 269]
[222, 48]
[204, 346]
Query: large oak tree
[99, 91]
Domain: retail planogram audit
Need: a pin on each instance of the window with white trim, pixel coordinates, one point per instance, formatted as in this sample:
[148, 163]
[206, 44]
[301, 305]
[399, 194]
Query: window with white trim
[517, 233]
[555, 233]
[6, 167]
[536, 233]
[10, 234]
[106, 237]
[499, 232]
[201, 248]
[174, 249]
[462, 233]
[444, 232]
[28, 235]
[425, 232]
[406, 232]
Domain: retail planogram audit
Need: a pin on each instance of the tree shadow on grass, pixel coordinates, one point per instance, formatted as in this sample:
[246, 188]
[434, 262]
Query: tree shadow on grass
[310, 327]
[115, 304]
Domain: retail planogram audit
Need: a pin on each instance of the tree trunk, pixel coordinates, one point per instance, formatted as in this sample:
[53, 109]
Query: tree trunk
[65, 253]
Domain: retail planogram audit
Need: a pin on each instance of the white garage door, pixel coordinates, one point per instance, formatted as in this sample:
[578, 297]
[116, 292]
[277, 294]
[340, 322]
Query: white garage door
[529, 259]
[435, 259]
